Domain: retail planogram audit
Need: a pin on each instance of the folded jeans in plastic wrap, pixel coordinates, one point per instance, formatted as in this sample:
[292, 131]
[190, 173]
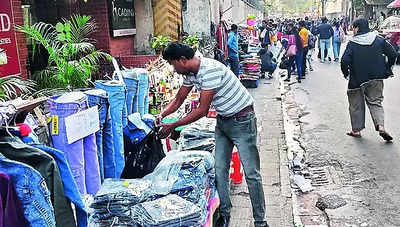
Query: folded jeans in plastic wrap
[199, 135]
[170, 210]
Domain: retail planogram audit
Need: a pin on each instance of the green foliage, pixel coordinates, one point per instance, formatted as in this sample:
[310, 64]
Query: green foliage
[289, 7]
[160, 42]
[72, 54]
[193, 41]
[13, 86]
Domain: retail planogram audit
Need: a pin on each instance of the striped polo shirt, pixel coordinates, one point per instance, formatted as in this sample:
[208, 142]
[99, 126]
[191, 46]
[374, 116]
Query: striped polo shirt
[230, 95]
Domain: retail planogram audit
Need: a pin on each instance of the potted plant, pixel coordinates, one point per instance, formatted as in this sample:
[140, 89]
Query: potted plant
[193, 41]
[72, 54]
[160, 42]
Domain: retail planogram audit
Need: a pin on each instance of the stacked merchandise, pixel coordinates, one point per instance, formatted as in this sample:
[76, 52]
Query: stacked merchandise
[185, 179]
[251, 70]
[199, 135]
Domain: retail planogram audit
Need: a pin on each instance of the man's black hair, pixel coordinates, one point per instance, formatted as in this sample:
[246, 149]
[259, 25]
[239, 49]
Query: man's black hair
[264, 45]
[234, 27]
[176, 50]
[324, 19]
[362, 25]
[302, 23]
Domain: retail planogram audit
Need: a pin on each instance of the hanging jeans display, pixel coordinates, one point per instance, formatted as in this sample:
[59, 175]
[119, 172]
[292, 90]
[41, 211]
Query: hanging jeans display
[143, 94]
[132, 85]
[117, 98]
[137, 84]
[82, 154]
[104, 138]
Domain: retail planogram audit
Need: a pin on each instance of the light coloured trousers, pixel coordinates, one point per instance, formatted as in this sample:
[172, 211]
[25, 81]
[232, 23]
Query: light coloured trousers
[372, 94]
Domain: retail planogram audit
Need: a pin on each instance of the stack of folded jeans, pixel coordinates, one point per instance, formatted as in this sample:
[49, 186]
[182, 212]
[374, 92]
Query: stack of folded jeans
[190, 174]
[199, 136]
[170, 210]
[115, 199]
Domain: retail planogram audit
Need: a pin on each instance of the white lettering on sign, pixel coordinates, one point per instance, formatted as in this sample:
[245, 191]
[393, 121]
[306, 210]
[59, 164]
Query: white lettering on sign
[82, 124]
[5, 41]
[5, 23]
[122, 12]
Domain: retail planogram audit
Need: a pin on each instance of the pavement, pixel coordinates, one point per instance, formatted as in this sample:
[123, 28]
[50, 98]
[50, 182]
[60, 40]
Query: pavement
[274, 163]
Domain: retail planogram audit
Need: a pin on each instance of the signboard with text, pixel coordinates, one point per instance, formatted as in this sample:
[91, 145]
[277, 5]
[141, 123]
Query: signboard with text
[122, 18]
[9, 60]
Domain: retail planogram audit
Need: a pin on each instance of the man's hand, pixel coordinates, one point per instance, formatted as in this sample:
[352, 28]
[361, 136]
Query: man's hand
[166, 130]
[158, 120]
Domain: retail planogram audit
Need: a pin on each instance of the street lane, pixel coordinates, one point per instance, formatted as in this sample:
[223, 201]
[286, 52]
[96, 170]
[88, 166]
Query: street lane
[368, 167]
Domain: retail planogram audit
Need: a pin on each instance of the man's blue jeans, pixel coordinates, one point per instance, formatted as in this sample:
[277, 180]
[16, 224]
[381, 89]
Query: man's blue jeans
[234, 63]
[242, 133]
[325, 44]
[104, 137]
[117, 98]
[82, 154]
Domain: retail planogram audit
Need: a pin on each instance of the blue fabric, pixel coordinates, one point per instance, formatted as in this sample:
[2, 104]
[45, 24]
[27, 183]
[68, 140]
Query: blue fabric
[114, 160]
[104, 139]
[132, 87]
[70, 187]
[32, 192]
[325, 44]
[336, 46]
[143, 94]
[233, 45]
[135, 134]
[82, 154]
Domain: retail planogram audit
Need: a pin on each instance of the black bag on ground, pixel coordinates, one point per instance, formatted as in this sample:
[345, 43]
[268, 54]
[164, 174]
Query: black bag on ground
[142, 158]
[284, 63]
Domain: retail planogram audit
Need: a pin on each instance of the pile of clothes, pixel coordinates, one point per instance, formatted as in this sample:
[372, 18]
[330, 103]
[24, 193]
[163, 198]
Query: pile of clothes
[199, 135]
[176, 193]
[251, 70]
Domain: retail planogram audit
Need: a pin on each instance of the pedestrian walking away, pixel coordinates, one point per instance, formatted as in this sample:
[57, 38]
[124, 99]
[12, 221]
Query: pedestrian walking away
[338, 39]
[325, 32]
[364, 64]
[236, 123]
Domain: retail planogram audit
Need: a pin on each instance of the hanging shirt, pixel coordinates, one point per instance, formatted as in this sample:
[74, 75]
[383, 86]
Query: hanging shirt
[11, 212]
[233, 45]
[31, 191]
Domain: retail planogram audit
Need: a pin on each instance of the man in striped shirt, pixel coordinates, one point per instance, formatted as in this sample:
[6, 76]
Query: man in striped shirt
[236, 122]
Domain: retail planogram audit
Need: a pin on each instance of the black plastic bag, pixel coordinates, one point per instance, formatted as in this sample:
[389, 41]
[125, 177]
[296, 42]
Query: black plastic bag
[284, 63]
[142, 158]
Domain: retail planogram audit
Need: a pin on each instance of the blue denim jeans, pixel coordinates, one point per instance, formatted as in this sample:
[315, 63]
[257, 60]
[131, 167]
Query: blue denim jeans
[104, 138]
[242, 133]
[336, 47]
[117, 98]
[70, 187]
[298, 59]
[325, 44]
[32, 192]
[132, 86]
[82, 154]
[143, 94]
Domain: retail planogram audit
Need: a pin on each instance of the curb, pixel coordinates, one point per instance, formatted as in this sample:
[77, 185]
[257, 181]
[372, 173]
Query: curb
[295, 152]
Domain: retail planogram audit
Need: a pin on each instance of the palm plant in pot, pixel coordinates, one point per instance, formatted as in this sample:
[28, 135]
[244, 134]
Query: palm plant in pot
[73, 56]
